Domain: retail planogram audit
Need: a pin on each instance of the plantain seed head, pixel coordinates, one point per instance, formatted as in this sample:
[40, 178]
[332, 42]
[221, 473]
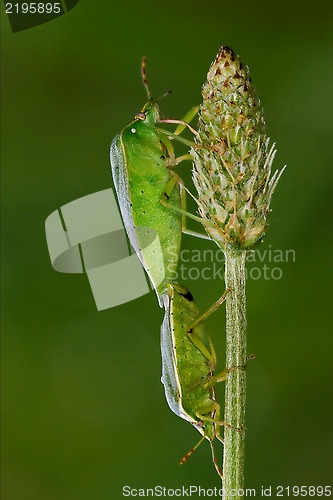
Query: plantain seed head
[232, 166]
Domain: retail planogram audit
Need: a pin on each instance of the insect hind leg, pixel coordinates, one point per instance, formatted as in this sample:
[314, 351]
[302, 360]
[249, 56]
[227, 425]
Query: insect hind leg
[218, 469]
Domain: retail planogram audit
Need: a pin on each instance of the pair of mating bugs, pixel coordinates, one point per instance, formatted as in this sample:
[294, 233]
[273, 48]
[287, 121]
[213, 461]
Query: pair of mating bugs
[152, 202]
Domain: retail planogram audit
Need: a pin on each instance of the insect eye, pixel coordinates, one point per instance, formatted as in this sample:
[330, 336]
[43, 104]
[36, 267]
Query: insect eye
[140, 116]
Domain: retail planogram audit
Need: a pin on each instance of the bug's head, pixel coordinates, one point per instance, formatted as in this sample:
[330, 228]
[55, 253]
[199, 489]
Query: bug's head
[206, 429]
[150, 113]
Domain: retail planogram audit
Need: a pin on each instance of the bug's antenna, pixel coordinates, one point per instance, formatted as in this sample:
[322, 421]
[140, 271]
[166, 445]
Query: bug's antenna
[144, 76]
[164, 95]
[189, 453]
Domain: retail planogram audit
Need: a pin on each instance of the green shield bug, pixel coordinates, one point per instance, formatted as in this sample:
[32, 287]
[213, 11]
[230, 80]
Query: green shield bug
[142, 159]
[188, 363]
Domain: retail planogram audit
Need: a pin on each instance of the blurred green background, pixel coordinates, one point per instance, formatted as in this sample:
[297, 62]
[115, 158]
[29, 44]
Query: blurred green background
[83, 407]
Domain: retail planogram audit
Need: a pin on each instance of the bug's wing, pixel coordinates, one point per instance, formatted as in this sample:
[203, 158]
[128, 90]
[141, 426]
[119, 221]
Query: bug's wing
[169, 371]
[144, 240]
[120, 180]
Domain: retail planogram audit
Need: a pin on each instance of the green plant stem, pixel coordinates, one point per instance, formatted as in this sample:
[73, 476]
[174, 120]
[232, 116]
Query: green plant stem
[235, 391]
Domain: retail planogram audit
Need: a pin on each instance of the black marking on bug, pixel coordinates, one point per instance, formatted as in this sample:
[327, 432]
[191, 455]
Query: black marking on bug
[187, 295]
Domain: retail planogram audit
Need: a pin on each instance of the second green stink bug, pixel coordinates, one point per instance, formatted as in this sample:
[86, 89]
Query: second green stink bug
[188, 363]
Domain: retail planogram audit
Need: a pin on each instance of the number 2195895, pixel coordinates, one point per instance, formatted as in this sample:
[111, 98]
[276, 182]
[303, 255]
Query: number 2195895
[33, 8]
[303, 491]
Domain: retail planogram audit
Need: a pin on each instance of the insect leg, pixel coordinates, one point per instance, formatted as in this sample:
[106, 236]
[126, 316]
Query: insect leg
[185, 230]
[211, 356]
[214, 408]
[187, 119]
[221, 377]
[171, 160]
[181, 126]
[171, 135]
[209, 311]
[198, 343]
[179, 159]
[218, 470]
[185, 122]
[189, 453]
[170, 186]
